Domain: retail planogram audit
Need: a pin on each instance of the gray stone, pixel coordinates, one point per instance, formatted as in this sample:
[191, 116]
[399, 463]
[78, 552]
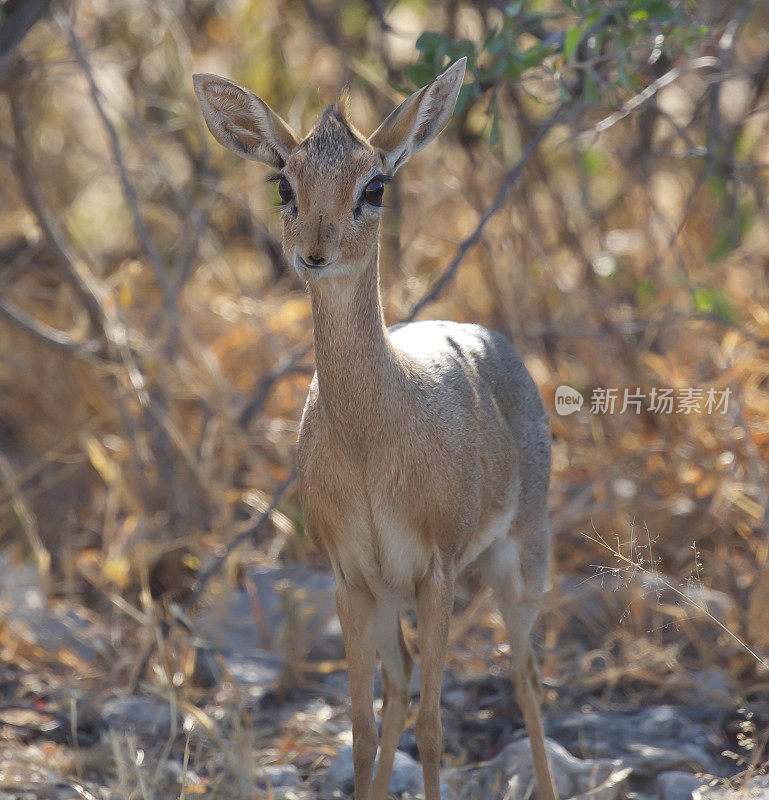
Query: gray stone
[283, 780]
[54, 629]
[511, 773]
[650, 740]
[337, 781]
[678, 785]
[280, 775]
[148, 717]
[285, 609]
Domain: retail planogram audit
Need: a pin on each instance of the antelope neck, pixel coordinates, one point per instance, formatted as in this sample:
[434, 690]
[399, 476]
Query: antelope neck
[355, 361]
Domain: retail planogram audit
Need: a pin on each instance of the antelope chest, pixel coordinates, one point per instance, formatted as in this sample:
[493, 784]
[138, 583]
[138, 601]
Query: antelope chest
[374, 548]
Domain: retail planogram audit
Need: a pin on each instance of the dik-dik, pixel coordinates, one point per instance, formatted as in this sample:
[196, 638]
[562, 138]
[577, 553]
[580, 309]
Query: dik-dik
[423, 448]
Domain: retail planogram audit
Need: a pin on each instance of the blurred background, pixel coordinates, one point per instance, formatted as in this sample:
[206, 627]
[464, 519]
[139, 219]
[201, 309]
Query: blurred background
[600, 197]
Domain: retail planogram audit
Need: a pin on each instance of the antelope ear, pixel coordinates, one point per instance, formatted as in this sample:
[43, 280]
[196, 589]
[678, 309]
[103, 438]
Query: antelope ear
[240, 120]
[418, 120]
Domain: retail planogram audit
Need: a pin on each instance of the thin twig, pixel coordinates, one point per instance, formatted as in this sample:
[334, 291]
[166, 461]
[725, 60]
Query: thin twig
[83, 280]
[61, 340]
[725, 51]
[291, 364]
[129, 190]
[687, 598]
[642, 97]
[247, 534]
[26, 517]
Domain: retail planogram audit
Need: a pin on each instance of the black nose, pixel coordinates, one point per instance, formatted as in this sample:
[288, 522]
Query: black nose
[316, 261]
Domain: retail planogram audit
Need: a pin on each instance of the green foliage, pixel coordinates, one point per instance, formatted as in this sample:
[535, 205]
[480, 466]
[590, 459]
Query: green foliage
[604, 48]
[732, 227]
[711, 300]
[644, 291]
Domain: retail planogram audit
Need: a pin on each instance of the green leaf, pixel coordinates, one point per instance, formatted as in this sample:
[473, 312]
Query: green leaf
[570, 43]
[711, 300]
[492, 34]
[468, 92]
[432, 42]
[535, 55]
[419, 74]
[463, 47]
[592, 94]
[496, 45]
[622, 75]
[644, 290]
[594, 162]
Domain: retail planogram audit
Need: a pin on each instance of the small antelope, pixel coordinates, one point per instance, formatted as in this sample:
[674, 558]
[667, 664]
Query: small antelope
[423, 448]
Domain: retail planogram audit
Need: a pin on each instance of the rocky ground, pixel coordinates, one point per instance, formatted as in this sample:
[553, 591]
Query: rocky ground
[257, 704]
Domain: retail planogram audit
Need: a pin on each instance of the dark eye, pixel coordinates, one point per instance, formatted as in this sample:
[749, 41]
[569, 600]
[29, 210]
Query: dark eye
[284, 190]
[374, 191]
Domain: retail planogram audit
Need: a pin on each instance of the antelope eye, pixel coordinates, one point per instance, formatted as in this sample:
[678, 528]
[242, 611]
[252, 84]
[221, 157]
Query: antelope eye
[284, 190]
[374, 191]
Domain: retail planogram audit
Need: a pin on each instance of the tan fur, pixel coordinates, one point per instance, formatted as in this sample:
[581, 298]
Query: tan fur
[422, 449]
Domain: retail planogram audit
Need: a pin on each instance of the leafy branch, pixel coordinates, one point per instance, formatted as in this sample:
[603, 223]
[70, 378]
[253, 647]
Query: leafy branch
[599, 52]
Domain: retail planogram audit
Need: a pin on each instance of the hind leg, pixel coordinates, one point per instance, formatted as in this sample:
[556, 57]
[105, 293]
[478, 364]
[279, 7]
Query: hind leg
[396, 676]
[517, 588]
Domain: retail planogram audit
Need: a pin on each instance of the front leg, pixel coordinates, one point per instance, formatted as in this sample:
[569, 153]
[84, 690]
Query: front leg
[435, 601]
[357, 613]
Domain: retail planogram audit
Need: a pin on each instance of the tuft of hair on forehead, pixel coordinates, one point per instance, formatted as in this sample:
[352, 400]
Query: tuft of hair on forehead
[334, 139]
[341, 105]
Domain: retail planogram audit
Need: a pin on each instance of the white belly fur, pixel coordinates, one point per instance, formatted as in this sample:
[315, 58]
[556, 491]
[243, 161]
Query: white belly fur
[403, 560]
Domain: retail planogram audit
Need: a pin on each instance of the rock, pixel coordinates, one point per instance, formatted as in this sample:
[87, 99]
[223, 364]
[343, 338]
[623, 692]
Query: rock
[678, 785]
[58, 632]
[337, 780]
[255, 670]
[280, 775]
[511, 773]
[650, 740]
[282, 779]
[284, 611]
[148, 717]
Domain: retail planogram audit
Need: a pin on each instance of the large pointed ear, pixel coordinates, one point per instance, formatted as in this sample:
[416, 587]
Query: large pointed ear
[418, 120]
[240, 120]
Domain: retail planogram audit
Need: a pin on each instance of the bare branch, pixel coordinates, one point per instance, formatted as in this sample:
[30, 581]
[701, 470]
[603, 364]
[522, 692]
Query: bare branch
[290, 364]
[563, 113]
[83, 280]
[61, 340]
[639, 99]
[129, 190]
[725, 52]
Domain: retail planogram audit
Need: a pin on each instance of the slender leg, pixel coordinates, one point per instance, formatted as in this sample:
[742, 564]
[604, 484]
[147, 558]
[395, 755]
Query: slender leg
[518, 601]
[435, 599]
[357, 614]
[528, 691]
[396, 674]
